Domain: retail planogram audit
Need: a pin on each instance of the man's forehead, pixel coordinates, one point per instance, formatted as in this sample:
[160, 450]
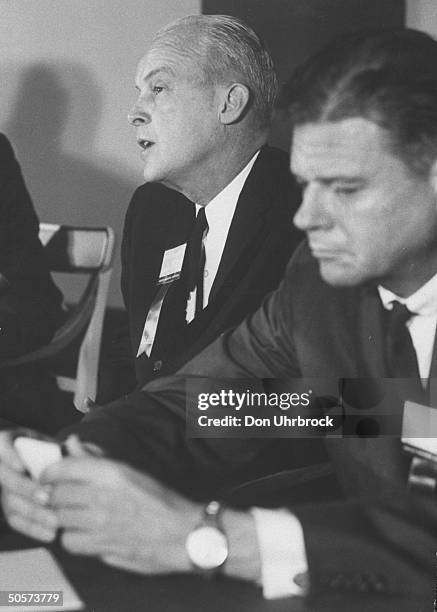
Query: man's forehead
[168, 60]
[349, 144]
[152, 61]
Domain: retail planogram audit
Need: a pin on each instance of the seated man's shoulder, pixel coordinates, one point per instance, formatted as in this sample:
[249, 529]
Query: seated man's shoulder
[5, 145]
[157, 209]
[155, 200]
[275, 163]
[272, 175]
[7, 156]
[304, 282]
[277, 157]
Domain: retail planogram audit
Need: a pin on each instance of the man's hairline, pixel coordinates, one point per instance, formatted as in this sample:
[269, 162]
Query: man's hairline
[392, 147]
[204, 79]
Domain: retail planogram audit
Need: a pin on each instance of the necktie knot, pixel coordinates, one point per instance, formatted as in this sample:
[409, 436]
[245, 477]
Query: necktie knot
[398, 317]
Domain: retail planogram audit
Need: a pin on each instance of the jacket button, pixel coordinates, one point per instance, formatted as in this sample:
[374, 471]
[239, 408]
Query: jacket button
[379, 586]
[378, 583]
[157, 365]
[338, 581]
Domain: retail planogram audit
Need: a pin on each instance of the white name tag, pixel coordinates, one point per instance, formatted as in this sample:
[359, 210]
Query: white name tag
[172, 264]
[419, 429]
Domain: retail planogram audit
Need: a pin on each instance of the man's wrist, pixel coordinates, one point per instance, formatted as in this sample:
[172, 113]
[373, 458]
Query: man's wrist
[188, 519]
[244, 556]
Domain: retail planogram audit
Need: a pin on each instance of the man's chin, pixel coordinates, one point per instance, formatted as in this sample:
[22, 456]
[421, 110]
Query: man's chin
[157, 177]
[152, 175]
[149, 177]
[339, 276]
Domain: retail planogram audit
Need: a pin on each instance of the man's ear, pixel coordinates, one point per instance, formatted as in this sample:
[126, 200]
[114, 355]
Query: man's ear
[234, 104]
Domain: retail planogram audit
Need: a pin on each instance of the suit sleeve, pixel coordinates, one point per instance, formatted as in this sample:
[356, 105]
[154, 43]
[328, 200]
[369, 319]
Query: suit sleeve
[374, 545]
[369, 547]
[117, 369]
[30, 304]
[148, 428]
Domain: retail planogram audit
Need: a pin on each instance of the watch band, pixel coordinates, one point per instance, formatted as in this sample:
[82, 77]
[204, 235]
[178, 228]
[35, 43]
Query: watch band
[212, 513]
[206, 545]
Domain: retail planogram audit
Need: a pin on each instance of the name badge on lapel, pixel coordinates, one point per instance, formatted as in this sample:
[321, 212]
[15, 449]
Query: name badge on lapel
[171, 268]
[172, 264]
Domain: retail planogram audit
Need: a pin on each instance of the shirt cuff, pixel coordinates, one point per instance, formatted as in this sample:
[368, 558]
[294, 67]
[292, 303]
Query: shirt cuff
[282, 552]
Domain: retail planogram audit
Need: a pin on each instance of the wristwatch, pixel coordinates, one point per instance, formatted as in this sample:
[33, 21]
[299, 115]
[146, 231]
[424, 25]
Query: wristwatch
[207, 545]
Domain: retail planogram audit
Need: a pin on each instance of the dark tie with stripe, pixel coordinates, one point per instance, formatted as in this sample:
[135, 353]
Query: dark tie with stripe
[173, 315]
[171, 320]
[194, 260]
[401, 355]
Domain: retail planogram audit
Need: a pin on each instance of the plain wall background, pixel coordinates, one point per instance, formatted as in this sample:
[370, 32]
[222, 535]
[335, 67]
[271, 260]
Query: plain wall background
[294, 29]
[67, 69]
[67, 74]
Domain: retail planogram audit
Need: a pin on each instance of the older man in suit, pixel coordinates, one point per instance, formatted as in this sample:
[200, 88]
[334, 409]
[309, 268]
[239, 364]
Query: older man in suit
[206, 94]
[358, 302]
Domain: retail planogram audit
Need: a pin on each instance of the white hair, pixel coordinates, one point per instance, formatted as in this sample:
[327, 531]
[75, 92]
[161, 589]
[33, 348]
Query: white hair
[226, 48]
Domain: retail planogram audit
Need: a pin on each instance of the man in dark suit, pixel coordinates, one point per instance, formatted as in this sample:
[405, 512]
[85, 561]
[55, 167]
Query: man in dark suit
[357, 302]
[30, 303]
[203, 149]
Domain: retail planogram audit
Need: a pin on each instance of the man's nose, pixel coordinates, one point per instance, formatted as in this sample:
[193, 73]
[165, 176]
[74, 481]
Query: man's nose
[138, 115]
[313, 213]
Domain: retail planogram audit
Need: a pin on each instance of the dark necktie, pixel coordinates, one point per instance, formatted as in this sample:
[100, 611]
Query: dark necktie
[192, 274]
[401, 355]
[172, 318]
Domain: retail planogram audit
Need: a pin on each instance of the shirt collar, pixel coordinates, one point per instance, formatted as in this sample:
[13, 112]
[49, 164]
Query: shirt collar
[222, 206]
[421, 302]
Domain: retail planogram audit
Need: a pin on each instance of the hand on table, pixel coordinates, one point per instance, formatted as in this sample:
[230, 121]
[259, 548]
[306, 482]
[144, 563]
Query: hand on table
[110, 510]
[125, 517]
[24, 501]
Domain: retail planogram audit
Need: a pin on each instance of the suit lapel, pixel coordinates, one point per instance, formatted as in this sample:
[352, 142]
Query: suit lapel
[249, 221]
[370, 464]
[176, 214]
[432, 380]
[433, 369]
[372, 334]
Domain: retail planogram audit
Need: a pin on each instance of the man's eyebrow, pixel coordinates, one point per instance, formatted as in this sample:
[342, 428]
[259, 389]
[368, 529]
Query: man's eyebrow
[328, 180]
[341, 178]
[155, 71]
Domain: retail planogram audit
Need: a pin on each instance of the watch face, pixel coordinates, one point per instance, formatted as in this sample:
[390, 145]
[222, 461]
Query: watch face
[207, 547]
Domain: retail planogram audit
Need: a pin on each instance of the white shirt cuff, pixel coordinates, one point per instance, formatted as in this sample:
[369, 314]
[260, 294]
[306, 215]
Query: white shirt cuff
[282, 552]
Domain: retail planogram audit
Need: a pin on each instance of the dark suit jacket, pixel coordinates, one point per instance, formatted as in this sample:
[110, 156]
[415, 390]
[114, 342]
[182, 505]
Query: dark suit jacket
[379, 538]
[30, 304]
[260, 242]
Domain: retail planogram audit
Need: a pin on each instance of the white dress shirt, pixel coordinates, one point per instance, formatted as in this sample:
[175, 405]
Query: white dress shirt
[282, 551]
[422, 326]
[280, 534]
[219, 214]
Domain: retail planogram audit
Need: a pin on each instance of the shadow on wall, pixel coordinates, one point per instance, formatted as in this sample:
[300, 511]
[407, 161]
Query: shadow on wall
[67, 189]
[294, 29]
